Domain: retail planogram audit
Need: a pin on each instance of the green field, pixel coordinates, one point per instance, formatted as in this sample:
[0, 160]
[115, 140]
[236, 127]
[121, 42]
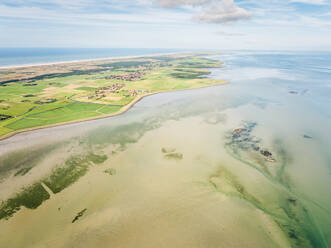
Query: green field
[55, 98]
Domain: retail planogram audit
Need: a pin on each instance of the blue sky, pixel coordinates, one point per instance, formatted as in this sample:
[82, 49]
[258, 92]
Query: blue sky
[198, 24]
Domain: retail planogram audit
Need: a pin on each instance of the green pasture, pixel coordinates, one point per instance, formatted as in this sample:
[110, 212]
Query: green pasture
[70, 112]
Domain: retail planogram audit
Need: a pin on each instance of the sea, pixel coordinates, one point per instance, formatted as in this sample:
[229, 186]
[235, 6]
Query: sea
[244, 164]
[27, 56]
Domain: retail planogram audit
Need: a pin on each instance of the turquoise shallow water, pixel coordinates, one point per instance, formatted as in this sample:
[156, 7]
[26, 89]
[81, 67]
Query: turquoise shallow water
[282, 100]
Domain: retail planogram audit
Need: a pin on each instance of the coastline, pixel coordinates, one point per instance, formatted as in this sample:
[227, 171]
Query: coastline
[123, 110]
[87, 60]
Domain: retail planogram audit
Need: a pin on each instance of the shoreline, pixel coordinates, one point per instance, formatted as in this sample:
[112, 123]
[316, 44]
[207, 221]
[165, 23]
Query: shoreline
[88, 60]
[123, 110]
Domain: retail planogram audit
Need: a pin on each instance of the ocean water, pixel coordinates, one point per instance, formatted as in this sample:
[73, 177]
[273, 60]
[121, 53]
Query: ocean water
[24, 56]
[180, 175]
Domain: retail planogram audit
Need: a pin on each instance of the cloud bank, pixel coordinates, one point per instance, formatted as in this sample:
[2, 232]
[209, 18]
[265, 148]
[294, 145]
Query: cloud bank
[224, 12]
[211, 11]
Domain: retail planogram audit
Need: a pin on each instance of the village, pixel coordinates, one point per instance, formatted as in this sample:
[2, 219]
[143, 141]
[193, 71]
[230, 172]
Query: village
[115, 89]
[133, 76]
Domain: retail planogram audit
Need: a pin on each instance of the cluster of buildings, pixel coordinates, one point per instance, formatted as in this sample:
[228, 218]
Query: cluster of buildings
[115, 88]
[136, 92]
[127, 76]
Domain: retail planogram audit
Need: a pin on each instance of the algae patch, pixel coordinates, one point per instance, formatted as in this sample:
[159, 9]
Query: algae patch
[170, 153]
[60, 178]
[96, 159]
[30, 197]
[174, 156]
[74, 168]
[22, 171]
[79, 215]
[110, 171]
[167, 150]
[286, 209]
[225, 182]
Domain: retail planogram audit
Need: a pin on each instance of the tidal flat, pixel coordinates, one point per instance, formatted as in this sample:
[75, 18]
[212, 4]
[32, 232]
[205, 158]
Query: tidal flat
[225, 166]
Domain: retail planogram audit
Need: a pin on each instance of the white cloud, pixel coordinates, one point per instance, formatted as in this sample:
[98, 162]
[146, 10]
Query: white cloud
[224, 12]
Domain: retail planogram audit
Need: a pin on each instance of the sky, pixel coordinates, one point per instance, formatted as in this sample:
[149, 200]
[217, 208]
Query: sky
[189, 24]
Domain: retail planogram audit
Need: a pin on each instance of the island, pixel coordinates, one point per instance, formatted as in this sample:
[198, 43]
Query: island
[39, 96]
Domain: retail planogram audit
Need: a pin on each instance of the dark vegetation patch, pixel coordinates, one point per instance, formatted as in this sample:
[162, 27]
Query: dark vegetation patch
[30, 197]
[192, 64]
[167, 150]
[5, 117]
[30, 84]
[22, 171]
[164, 58]
[292, 201]
[161, 58]
[46, 101]
[67, 74]
[62, 177]
[55, 75]
[188, 74]
[73, 169]
[96, 159]
[25, 100]
[1, 100]
[174, 156]
[124, 64]
[198, 64]
[80, 214]
[110, 171]
[29, 95]
[300, 233]
[223, 177]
